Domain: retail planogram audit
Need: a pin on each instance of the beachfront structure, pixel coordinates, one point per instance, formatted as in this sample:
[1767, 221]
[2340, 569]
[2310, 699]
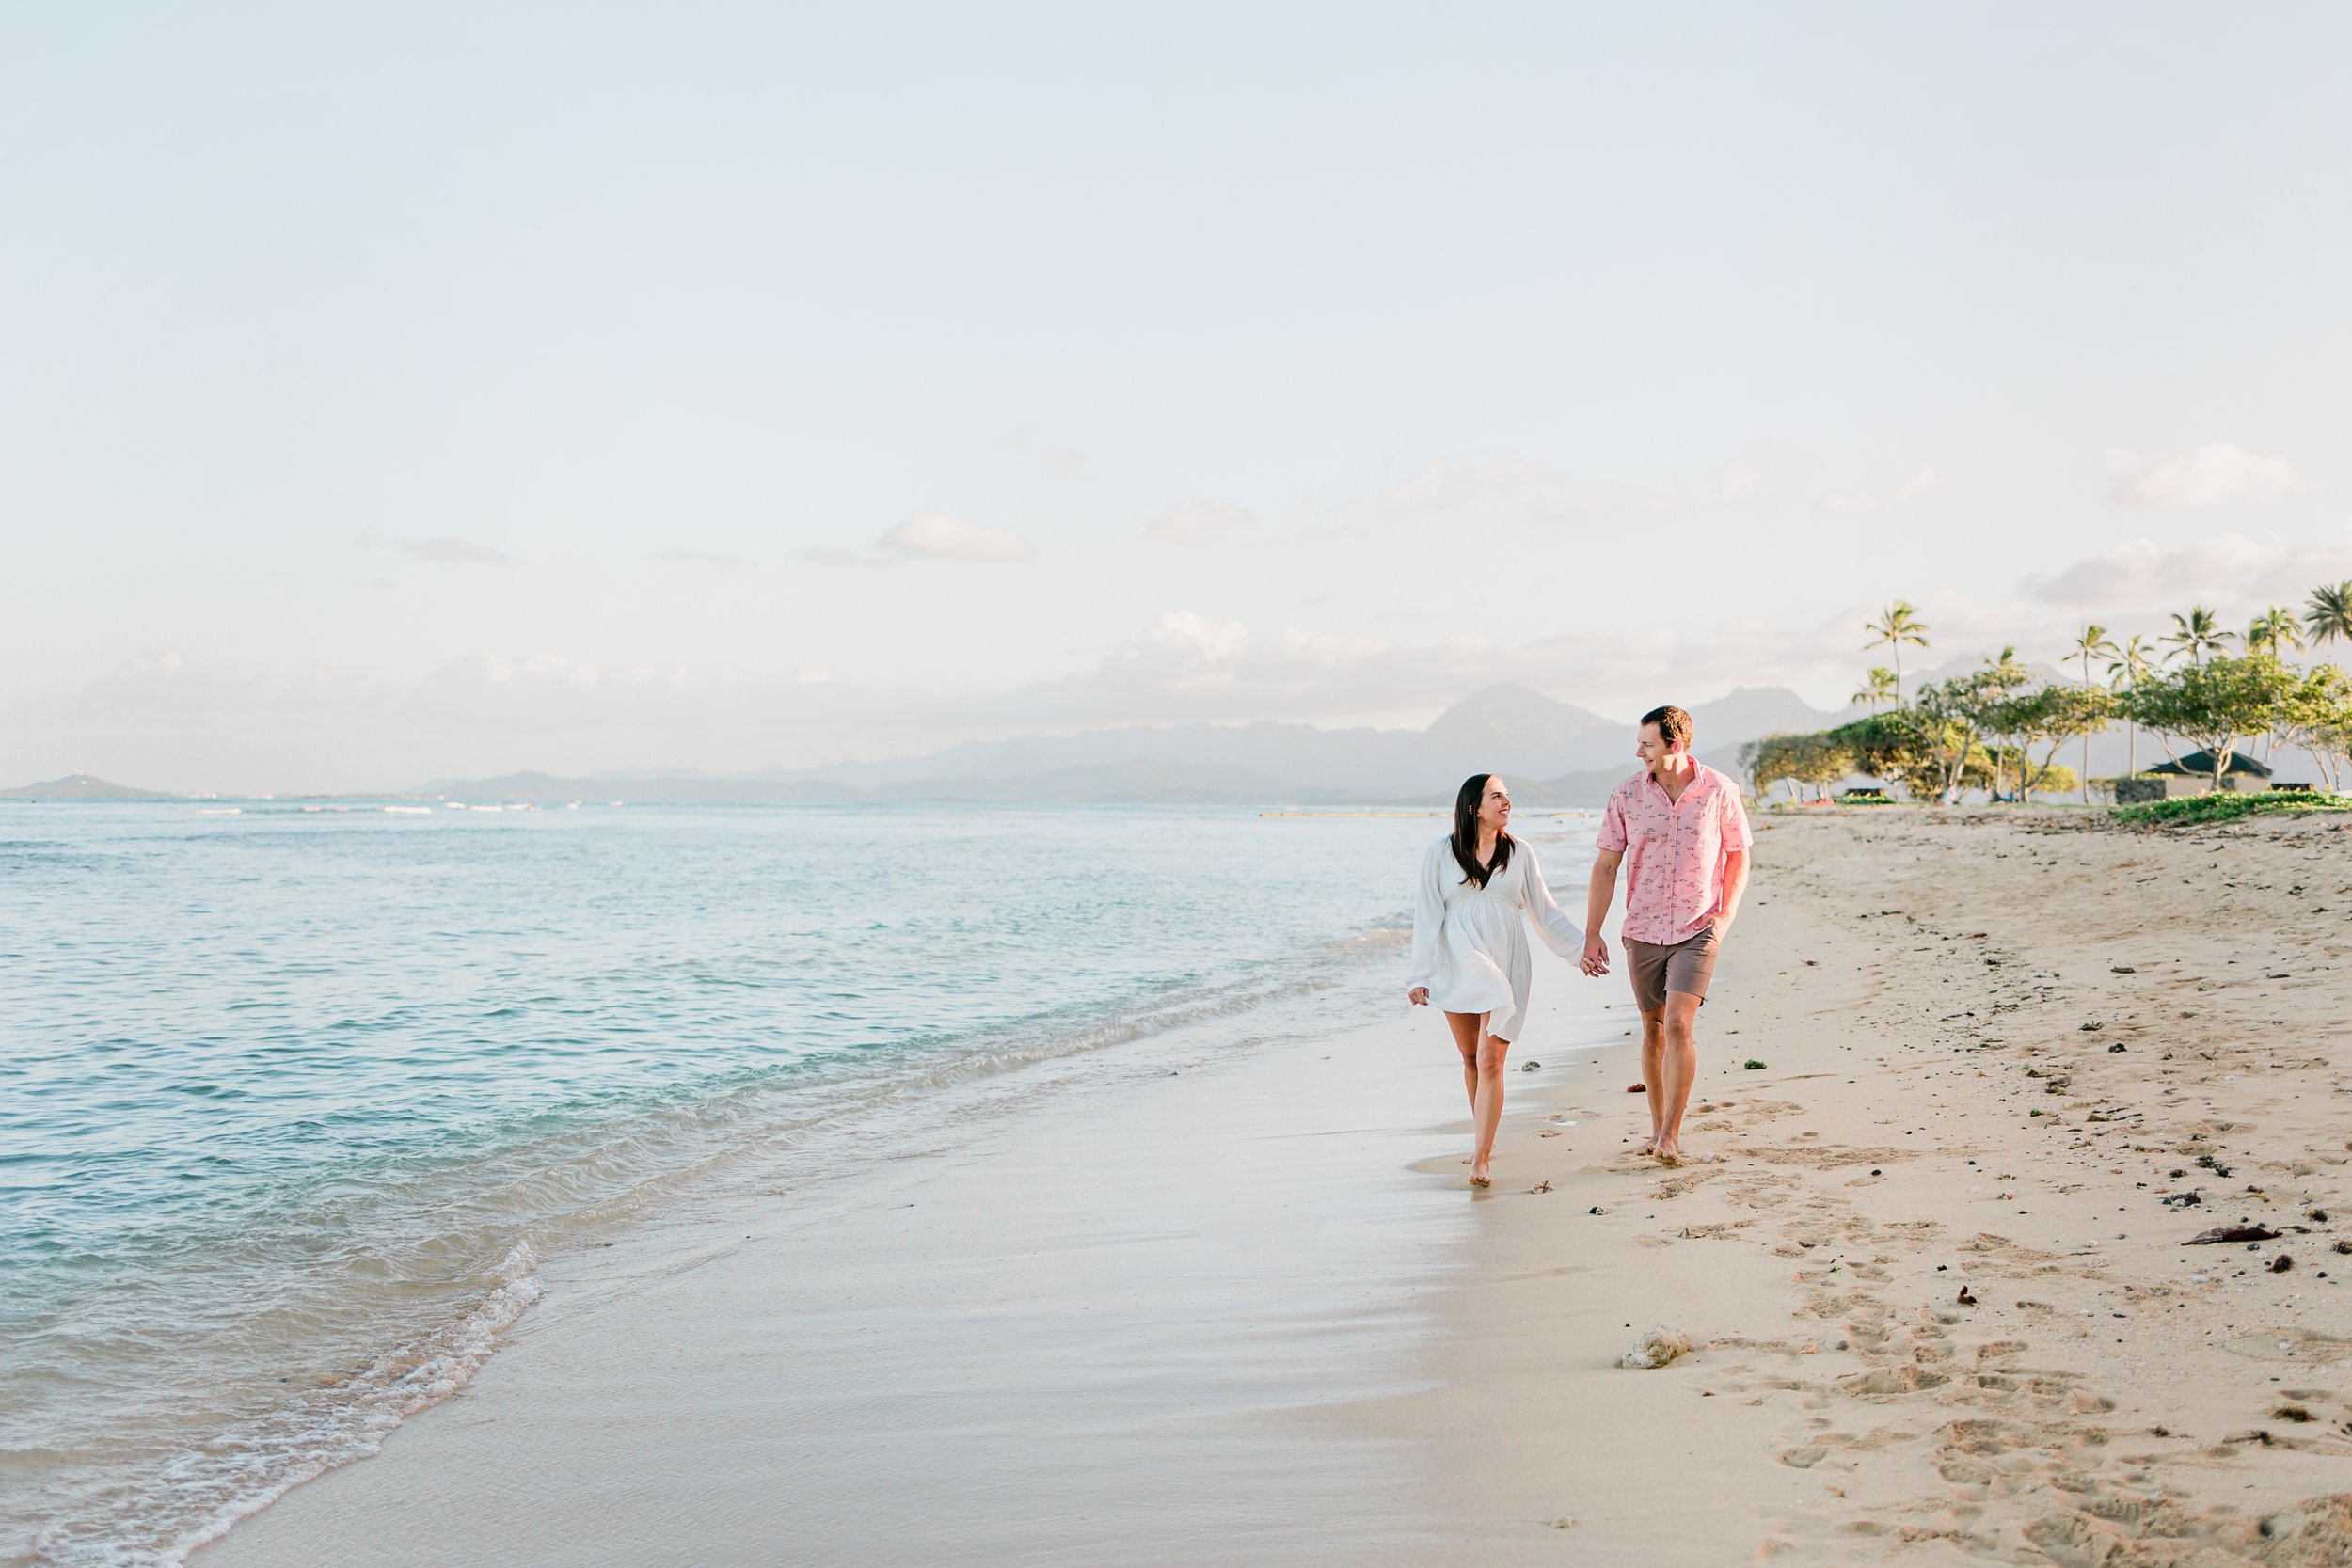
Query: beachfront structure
[2192, 775]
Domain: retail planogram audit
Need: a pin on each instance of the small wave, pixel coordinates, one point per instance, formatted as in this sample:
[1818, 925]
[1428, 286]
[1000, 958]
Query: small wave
[380, 1398]
[407, 811]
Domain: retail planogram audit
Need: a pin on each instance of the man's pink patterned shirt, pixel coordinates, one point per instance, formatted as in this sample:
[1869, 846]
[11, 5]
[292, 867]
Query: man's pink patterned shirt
[1674, 852]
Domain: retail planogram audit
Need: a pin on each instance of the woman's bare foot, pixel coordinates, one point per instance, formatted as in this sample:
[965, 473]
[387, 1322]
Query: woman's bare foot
[1649, 1144]
[1479, 1181]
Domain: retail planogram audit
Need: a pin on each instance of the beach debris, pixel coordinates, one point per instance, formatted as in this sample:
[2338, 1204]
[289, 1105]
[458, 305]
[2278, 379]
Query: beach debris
[1637, 1089]
[2115, 1047]
[1753, 1065]
[1967, 1297]
[2281, 1264]
[2232, 1233]
[1596, 1208]
[2122, 969]
[1543, 1186]
[1659, 1344]
[2090, 1028]
[2318, 1216]
[2345, 1247]
[2182, 1200]
[2291, 1413]
[1528, 1067]
[1564, 1522]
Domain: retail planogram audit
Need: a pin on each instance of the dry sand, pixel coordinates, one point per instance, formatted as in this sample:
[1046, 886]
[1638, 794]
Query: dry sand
[2013, 1054]
[1252, 1314]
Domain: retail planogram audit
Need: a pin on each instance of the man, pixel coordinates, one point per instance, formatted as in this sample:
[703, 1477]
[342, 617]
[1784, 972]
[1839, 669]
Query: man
[1682, 835]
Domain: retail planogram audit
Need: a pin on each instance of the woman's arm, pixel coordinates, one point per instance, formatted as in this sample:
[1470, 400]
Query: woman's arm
[1428, 922]
[1552, 924]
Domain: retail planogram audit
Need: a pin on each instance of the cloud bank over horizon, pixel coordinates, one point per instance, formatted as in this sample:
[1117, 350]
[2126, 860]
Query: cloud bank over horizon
[171, 719]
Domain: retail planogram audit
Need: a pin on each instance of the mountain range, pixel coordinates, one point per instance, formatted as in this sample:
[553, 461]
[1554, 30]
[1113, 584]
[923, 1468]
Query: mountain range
[1554, 752]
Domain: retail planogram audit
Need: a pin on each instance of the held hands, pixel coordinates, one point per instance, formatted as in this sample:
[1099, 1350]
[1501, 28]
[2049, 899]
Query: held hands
[1596, 959]
[1418, 996]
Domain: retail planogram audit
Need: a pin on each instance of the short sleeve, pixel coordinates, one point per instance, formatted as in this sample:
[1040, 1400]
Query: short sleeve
[1612, 838]
[1735, 822]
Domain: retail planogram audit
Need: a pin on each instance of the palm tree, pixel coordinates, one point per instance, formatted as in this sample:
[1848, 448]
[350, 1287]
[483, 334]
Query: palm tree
[2092, 643]
[2274, 631]
[2199, 633]
[2128, 668]
[1896, 625]
[1878, 688]
[2328, 617]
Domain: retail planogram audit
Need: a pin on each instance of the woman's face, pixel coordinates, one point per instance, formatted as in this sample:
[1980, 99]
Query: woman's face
[1495, 810]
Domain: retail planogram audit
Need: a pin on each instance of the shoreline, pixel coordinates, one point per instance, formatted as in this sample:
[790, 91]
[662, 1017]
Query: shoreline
[1936, 997]
[970, 1351]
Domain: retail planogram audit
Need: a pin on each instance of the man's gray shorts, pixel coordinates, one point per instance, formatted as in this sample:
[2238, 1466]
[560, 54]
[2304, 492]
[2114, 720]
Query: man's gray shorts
[1660, 967]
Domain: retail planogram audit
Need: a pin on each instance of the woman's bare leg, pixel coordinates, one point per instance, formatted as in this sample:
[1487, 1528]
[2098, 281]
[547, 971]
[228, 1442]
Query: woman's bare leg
[1467, 1027]
[1488, 1103]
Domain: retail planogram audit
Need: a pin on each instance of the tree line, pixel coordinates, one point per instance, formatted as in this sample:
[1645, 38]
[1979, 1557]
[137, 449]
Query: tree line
[2198, 688]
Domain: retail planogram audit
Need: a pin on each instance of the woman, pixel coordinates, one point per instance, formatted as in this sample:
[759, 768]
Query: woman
[1469, 944]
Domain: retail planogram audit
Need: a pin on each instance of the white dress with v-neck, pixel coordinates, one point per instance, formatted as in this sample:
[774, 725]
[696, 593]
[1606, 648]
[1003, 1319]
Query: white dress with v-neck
[1469, 942]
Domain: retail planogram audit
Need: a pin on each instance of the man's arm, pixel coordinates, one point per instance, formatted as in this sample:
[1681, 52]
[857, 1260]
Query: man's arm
[1598, 892]
[1735, 884]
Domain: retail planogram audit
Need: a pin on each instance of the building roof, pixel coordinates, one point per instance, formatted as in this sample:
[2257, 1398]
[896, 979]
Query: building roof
[2200, 764]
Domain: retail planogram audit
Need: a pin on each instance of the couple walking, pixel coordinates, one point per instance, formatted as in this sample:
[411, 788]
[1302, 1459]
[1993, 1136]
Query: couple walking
[1680, 833]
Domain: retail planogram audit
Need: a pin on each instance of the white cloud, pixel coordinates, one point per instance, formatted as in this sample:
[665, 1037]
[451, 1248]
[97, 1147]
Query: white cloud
[940, 535]
[1452, 481]
[1062, 462]
[1199, 521]
[2231, 571]
[1919, 488]
[446, 548]
[2215, 474]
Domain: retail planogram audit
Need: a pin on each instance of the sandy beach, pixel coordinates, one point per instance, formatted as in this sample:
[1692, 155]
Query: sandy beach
[1243, 1308]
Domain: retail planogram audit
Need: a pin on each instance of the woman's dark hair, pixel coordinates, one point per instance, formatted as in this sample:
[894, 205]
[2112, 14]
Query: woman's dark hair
[1466, 803]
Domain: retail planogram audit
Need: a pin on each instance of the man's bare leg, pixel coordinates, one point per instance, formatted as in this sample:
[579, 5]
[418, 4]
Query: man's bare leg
[1679, 1058]
[1653, 1076]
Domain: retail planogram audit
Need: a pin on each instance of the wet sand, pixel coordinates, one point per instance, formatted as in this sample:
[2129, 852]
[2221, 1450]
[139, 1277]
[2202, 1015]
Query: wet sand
[1252, 1314]
[1122, 1325]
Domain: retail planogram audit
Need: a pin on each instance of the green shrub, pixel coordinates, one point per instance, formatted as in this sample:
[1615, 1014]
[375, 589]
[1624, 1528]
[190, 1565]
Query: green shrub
[2229, 805]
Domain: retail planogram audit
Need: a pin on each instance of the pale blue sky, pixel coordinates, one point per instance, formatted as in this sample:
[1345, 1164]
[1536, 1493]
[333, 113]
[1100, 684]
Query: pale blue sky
[445, 392]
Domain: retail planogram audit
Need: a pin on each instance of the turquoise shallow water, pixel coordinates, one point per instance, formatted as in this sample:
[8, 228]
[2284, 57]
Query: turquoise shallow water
[292, 1100]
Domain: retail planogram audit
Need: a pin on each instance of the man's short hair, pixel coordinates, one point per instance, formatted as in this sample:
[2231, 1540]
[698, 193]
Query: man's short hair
[1672, 725]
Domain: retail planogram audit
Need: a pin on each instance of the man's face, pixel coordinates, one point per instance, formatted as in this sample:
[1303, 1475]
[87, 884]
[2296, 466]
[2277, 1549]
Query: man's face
[1655, 751]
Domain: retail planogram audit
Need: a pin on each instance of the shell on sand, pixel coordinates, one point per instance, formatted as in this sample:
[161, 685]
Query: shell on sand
[1659, 1344]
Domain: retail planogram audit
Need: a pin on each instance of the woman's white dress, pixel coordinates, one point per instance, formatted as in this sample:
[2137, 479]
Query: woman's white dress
[1470, 944]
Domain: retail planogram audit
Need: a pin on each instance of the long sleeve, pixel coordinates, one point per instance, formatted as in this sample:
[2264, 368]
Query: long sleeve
[1428, 918]
[1561, 934]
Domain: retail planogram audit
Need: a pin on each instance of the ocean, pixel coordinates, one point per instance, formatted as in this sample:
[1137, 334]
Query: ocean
[295, 1096]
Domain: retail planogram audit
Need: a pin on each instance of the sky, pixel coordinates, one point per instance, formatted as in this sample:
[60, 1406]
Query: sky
[420, 391]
